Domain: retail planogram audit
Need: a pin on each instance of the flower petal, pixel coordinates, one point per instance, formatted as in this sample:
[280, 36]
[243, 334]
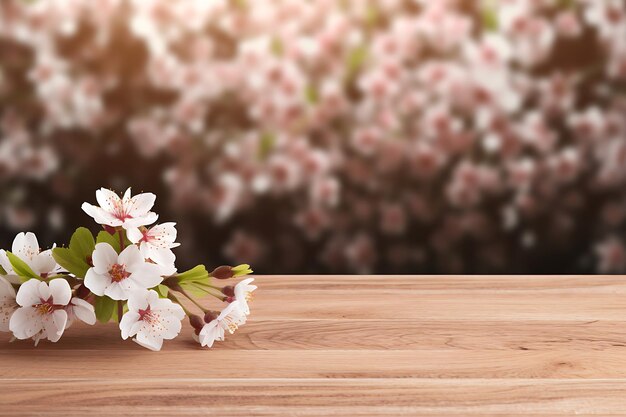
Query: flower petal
[163, 235]
[44, 291]
[134, 234]
[4, 261]
[115, 291]
[7, 304]
[140, 204]
[168, 307]
[103, 257]
[146, 276]
[28, 293]
[101, 216]
[43, 263]
[84, 311]
[60, 291]
[127, 322]
[170, 328]
[25, 323]
[59, 320]
[144, 220]
[210, 333]
[162, 256]
[25, 246]
[96, 283]
[138, 300]
[149, 342]
[6, 289]
[108, 200]
[131, 257]
[127, 194]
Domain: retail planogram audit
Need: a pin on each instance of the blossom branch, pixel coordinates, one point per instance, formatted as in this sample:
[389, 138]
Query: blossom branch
[92, 277]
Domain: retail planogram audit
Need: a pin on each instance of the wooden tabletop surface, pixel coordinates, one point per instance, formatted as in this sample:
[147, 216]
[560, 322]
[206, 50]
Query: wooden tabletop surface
[353, 346]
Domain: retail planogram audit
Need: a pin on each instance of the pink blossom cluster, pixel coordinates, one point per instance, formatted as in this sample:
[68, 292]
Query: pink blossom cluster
[390, 135]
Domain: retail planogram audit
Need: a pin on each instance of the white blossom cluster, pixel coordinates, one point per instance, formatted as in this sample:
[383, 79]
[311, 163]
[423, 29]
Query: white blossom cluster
[43, 292]
[385, 135]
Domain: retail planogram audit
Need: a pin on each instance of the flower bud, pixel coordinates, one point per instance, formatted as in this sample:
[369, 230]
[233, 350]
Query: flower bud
[82, 291]
[196, 322]
[222, 272]
[110, 230]
[172, 283]
[229, 291]
[209, 316]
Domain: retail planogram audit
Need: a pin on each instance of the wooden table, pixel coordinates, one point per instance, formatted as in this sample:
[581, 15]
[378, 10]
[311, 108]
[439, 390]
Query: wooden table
[353, 346]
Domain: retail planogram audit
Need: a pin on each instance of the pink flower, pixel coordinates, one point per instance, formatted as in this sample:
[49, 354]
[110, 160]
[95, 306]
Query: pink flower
[151, 319]
[117, 276]
[568, 24]
[612, 256]
[156, 244]
[229, 320]
[127, 212]
[42, 312]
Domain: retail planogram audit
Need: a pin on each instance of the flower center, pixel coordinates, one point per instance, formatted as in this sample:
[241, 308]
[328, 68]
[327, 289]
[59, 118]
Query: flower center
[118, 273]
[120, 212]
[45, 307]
[30, 253]
[148, 315]
[231, 324]
[613, 15]
[145, 237]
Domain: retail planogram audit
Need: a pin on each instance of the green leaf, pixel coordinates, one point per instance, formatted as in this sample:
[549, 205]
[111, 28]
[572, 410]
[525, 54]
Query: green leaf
[196, 280]
[489, 15]
[82, 243]
[106, 237]
[266, 144]
[311, 94]
[162, 290]
[70, 261]
[194, 288]
[75, 258]
[192, 280]
[356, 59]
[104, 308]
[276, 46]
[114, 316]
[372, 16]
[2, 271]
[21, 268]
[198, 273]
[241, 270]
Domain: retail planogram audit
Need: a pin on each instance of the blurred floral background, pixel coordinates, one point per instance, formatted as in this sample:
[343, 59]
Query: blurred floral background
[346, 136]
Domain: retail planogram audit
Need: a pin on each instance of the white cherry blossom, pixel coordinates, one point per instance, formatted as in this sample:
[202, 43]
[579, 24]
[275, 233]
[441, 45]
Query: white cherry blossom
[156, 244]
[608, 16]
[229, 320]
[8, 305]
[81, 310]
[26, 247]
[127, 212]
[151, 319]
[116, 276]
[41, 314]
[243, 294]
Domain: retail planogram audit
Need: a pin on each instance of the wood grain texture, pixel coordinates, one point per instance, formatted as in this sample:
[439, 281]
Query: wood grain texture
[353, 346]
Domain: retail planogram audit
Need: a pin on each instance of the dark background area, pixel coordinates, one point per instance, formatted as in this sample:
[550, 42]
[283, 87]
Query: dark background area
[574, 226]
